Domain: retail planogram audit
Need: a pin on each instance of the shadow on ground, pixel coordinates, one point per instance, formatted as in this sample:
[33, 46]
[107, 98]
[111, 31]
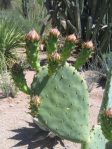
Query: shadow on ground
[34, 137]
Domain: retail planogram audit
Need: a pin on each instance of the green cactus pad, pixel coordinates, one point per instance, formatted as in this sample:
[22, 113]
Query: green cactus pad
[39, 82]
[32, 52]
[64, 107]
[51, 44]
[19, 78]
[97, 139]
[106, 122]
[66, 51]
[84, 55]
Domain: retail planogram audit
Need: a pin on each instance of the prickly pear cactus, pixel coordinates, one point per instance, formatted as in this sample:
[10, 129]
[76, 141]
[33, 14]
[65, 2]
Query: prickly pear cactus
[52, 40]
[70, 44]
[39, 82]
[64, 105]
[59, 96]
[105, 116]
[32, 49]
[97, 139]
[19, 78]
[85, 54]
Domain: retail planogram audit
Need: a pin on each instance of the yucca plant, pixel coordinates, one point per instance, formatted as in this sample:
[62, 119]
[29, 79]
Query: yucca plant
[10, 38]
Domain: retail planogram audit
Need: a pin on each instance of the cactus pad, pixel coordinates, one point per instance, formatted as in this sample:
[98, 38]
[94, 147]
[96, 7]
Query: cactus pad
[19, 78]
[97, 139]
[83, 57]
[39, 82]
[105, 116]
[32, 52]
[64, 107]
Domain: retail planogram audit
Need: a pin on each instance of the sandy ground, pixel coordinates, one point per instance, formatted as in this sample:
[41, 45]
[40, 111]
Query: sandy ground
[17, 130]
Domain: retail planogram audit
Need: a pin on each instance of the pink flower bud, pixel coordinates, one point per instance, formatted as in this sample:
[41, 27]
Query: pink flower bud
[88, 45]
[71, 38]
[55, 32]
[32, 35]
[56, 56]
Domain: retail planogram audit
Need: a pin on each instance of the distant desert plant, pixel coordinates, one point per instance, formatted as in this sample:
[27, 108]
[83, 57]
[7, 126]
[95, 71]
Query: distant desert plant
[10, 38]
[6, 85]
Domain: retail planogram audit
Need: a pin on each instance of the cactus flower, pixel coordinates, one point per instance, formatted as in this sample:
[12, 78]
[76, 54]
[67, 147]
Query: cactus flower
[56, 56]
[33, 35]
[88, 45]
[55, 32]
[71, 38]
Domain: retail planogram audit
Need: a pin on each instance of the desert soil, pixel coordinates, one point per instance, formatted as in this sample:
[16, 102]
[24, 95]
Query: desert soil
[17, 130]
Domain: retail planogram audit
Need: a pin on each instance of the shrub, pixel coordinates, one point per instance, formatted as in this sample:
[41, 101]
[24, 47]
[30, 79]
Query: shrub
[7, 86]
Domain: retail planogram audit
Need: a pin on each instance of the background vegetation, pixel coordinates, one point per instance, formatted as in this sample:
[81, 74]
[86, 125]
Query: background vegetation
[89, 20]
[13, 27]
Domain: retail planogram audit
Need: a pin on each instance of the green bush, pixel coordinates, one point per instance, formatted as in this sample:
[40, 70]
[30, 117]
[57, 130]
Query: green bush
[6, 85]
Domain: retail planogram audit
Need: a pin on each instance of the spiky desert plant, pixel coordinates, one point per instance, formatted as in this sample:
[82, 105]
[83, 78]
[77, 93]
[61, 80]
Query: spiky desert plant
[11, 37]
[59, 94]
[58, 78]
[32, 49]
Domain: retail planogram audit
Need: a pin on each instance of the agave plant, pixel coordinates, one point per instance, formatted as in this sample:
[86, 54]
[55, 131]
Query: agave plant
[10, 38]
